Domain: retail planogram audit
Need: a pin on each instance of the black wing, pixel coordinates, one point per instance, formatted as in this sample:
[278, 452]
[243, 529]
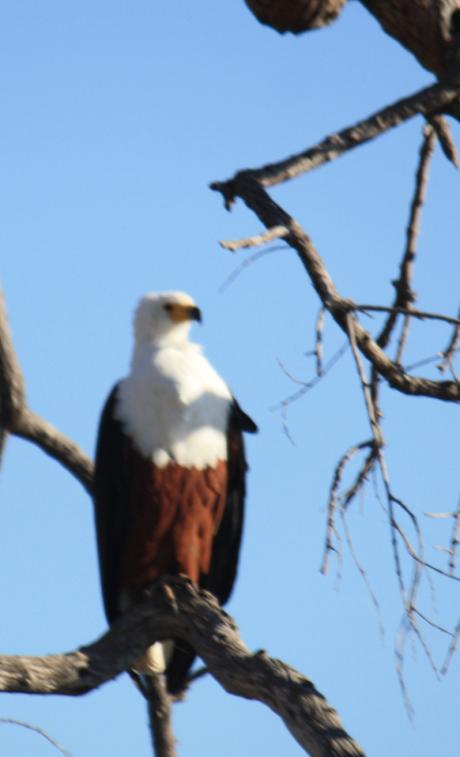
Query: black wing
[226, 547]
[110, 499]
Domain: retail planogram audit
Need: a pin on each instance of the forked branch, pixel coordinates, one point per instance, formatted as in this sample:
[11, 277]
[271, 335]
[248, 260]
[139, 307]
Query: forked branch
[197, 618]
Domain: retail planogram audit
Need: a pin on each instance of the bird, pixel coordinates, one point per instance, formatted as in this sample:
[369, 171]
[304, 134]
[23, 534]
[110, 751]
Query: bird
[169, 477]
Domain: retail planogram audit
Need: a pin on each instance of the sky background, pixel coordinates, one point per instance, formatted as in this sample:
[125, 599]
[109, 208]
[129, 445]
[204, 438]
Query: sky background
[115, 118]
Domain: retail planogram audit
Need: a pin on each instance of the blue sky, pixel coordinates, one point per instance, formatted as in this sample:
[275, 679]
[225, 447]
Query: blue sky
[115, 118]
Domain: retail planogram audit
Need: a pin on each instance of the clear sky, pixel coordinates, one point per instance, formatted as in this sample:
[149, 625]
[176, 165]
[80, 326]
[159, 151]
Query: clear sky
[115, 118]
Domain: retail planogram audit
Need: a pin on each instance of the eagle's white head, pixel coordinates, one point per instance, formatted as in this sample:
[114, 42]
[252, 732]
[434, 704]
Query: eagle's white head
[164, 318]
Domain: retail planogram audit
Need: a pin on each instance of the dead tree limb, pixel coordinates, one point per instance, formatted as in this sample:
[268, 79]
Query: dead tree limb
[198, 619]
[16, 417]
[432, 100]
[255, 197]
[429, 29]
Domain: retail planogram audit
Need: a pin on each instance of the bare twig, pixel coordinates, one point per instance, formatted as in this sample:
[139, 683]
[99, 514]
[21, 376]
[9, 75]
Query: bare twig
[454, 541]
[331, 529]
[307, 385]
[404, 294]
[277, 232]
[402, 341]
[40, 731]
[432, 623]
[371, 407]
[272, 214]
[319, 328]
[452, 649]
[362, 572]
[198, 619]
[444, 135]
[452, 348]
[421, 314]
[415, 556]
[360, 479]
[245, 264]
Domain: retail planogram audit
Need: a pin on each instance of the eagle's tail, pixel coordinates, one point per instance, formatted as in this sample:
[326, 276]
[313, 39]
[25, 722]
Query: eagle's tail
[174, 658]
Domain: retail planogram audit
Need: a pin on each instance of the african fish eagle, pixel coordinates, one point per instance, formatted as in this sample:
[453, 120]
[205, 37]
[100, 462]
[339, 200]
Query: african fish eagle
[170, 468]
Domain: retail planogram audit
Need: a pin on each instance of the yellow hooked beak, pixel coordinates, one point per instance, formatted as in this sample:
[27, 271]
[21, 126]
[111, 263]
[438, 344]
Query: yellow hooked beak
[179, 313]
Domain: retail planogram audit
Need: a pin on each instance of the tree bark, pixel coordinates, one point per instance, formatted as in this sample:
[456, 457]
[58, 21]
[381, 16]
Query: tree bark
[430, 29]
[296, 15]
[197, 618]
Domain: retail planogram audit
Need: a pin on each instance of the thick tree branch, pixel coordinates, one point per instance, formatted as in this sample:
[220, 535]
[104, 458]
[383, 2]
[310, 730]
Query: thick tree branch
[197, 618]
[427, 101]
[427, 28]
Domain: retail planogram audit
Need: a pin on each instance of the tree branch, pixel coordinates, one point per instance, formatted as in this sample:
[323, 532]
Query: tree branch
[16, 418]
[198, 619]
[424, 102]
[159, 710]
[404, 295]
[271, 214]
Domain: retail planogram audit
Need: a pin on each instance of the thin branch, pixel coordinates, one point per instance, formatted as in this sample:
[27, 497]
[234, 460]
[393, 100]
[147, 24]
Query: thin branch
[307, 385]
[246, 263]
[319, 328]
[446, 141]
[421, 314]
[198, 619]
[40, 731]
[373, 416]
[370, 404]
[159, 711]
[454, 542]
[413, 553]
[277, 232]
[332, 501]
[452, 649]
[402, 341]
[432, 623]
[360, 479]
[362, 572]
[452, 348]
[404, 294]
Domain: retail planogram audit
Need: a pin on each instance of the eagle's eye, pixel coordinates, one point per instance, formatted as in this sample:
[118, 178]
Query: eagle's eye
[168, 307]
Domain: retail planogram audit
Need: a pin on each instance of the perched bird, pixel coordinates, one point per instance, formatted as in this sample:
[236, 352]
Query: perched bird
[170, 469]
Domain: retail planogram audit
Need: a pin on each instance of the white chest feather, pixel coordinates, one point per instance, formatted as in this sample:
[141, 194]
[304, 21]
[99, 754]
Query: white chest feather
[175, 406]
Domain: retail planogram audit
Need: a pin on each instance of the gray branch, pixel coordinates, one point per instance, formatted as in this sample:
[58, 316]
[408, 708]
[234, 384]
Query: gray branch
[257, 199]
[16, 418]
[197, 618]
[425, 102]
